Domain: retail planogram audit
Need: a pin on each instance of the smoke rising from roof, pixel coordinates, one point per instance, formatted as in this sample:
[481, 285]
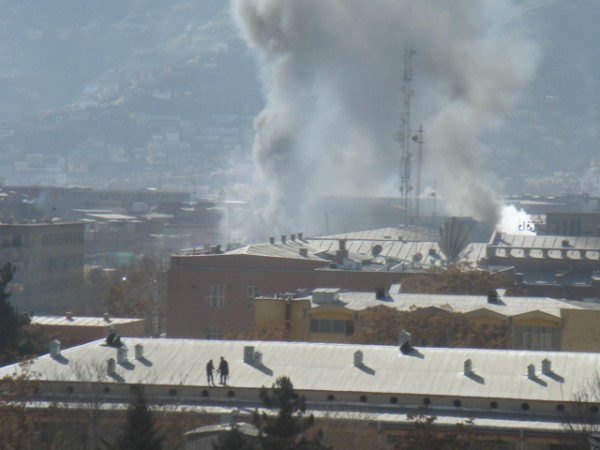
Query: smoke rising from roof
[332, 72]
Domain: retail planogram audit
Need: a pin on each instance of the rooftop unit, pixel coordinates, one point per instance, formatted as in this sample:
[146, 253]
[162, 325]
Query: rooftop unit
[324, 296]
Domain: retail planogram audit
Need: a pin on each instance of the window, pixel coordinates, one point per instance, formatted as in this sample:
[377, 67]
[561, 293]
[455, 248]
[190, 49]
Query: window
[251, 293]
[17, 241]
[332, 326]
[538, 338]
[214, 332]
[216, 296]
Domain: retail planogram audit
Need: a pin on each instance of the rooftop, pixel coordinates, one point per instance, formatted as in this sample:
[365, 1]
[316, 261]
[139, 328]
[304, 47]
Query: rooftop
[506, 306]
[313, 367]
[81, 321]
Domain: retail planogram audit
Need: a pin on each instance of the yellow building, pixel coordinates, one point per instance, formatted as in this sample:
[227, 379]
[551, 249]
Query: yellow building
[534, 323]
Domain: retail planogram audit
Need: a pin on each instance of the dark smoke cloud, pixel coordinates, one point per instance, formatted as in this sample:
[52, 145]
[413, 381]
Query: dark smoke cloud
[332, 72]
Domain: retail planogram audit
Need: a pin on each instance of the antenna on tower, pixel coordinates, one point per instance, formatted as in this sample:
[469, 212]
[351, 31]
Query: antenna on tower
[404, 135]
[418, 138]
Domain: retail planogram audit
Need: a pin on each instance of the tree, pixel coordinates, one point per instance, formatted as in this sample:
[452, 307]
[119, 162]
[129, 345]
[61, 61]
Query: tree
[138, 290]
[422, 435]
[431, 329]
[286, 430]
[460, 279]
[139, 432]
[13, 339]
[580, 420]
[359, 433]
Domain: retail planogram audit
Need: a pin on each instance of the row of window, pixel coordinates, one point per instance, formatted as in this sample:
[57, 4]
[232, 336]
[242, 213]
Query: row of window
[537, 338]
[332, 326]
[56, 239]
[215, 296]
[50, 263]
[12, 241]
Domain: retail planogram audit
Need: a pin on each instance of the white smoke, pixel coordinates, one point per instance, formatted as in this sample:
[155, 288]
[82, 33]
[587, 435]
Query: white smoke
[515, 221]
[332, 72]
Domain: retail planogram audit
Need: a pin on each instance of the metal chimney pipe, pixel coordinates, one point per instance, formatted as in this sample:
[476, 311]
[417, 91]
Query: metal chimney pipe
[54, 348]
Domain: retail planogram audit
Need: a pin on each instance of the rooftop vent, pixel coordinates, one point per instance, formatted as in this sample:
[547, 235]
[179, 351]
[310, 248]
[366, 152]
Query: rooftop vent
[283, 238]
[106, 317]
[325, 296]
[121, 355]
[468, 367]
[358, 358]
[111, 367]
[565, 243]
[546, 367]
[303, 251]
[69, 315]
[531, 371]
[492, 296]
[271, 240]
[248, 354]
[292, 237]
[300, 236]
[251, 357]
[380, 293]
[139, 351]
[54, 348]
[404, 342]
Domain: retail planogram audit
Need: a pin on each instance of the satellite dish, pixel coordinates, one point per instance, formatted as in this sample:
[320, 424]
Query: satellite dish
[376, 250]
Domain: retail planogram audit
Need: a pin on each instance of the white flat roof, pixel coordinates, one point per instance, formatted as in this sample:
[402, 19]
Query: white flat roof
[507, 306]
[80, 321]
[498, 374]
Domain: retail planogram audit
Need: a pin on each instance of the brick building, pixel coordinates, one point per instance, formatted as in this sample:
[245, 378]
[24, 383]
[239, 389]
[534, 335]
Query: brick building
[210, 293]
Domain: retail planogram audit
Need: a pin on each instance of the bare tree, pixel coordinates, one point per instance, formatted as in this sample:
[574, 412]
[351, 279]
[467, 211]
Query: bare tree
[440, 329]
[581, 418]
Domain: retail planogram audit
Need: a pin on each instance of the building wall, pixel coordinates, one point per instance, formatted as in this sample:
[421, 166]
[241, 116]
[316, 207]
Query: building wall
[575, 330]
[70, 335]
[580, 331]
[48, 258]
[289, 316]
[191, 312]
[357, 280]
[572, 224]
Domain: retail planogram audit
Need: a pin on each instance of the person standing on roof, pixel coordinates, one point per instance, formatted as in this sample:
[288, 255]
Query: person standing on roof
[209, 373]
[223, 370]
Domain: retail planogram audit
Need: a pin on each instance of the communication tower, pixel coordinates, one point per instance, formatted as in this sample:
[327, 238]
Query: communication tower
[404, 135]
[418, 138]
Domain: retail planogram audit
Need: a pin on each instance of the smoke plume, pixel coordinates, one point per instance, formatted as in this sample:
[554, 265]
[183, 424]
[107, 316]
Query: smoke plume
[332, 72]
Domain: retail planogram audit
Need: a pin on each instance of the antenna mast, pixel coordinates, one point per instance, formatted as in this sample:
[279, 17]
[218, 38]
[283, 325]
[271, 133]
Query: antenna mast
[405, 132]
[418, 138]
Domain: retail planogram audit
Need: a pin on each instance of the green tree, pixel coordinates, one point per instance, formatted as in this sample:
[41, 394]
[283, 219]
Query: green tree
[139, 432]
[289, 428]
[13, 339]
